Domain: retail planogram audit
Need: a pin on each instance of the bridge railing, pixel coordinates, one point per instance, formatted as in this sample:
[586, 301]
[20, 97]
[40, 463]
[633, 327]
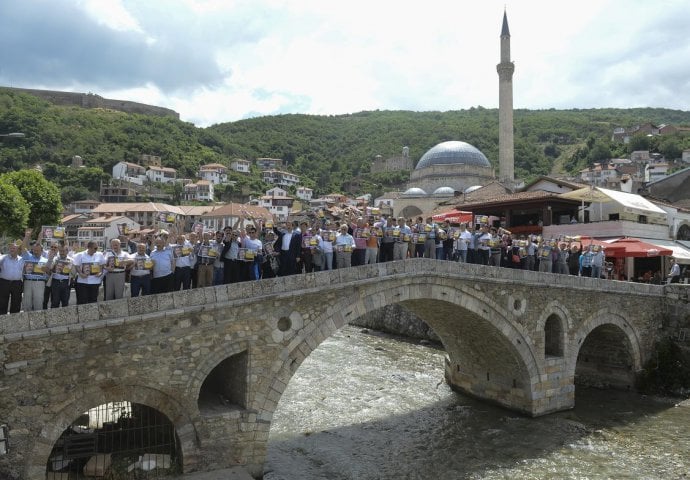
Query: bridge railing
[76, 318]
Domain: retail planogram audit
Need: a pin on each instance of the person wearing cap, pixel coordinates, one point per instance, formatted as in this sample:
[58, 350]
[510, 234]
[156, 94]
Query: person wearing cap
[674, 274]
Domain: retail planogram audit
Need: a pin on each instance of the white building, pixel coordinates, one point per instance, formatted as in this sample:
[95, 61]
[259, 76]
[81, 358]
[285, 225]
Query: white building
[214, 173]
[240, 165]
[146, 214]
[161, 174]
[655, 171]
[234, 215]
[304, 193]
[279, 177]
[277, 202]
[129, 172]
[269, 163]
[103, 229]
[201, 191]
[600, 175]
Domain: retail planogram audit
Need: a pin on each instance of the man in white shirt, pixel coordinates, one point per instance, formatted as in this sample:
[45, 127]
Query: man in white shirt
[88, 266]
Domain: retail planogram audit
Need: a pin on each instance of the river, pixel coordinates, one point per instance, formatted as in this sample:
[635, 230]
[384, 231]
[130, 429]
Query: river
[370, 406]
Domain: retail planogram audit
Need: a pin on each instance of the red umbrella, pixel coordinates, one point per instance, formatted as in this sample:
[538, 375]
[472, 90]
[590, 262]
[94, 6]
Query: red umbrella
[634, 247]
[453, 216]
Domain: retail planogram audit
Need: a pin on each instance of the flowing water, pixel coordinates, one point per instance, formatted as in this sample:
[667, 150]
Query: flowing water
[369, 406]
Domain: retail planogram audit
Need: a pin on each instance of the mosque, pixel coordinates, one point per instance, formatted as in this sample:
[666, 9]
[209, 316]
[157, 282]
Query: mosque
[454, 167]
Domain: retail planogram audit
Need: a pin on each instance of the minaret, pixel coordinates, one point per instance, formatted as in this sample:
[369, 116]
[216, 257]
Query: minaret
[506, 159]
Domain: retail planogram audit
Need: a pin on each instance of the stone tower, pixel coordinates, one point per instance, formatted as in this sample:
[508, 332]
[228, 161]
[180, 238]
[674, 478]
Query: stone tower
[506, 158]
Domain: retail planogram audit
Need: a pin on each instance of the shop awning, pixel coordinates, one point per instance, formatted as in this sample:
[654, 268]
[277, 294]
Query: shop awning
[629, 201]
[634, 247]
[680, 253]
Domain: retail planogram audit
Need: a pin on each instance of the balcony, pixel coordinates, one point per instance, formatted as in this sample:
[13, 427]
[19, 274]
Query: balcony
[608, 229]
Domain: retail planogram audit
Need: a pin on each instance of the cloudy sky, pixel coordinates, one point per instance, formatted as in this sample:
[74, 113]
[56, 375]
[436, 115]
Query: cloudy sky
[216, 61]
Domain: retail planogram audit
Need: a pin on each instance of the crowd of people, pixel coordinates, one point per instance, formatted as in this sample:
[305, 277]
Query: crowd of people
[34, 277]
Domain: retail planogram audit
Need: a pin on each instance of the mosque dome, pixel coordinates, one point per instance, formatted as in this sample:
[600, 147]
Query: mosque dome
[414, 191]
[452, 153]
[472, 188]
[444, 191]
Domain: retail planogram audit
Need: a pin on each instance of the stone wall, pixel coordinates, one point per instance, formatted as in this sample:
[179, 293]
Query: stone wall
[160, 350]
[397, 320]
[90, 100]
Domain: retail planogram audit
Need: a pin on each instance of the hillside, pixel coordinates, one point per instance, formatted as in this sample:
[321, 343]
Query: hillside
[329, 152]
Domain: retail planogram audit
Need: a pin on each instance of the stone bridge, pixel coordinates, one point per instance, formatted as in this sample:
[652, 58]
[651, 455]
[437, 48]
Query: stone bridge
[216, 360]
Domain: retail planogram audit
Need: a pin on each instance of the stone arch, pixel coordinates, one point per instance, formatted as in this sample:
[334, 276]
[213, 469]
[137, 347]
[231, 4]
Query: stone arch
[451, 295]
[92, 396]
[555, 321]
[614, 323]
[410, 211]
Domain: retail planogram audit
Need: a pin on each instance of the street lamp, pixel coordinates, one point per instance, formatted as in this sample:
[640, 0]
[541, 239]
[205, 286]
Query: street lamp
[13, 135]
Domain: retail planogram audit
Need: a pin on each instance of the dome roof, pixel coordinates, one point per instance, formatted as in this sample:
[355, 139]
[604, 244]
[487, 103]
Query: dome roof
[453, 152]
[414, 191]
[472, 188]
[444, 191]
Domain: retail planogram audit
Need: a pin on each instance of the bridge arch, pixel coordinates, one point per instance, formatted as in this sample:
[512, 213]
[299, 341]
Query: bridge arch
[452, 310]
[93, 396]
[612, 328]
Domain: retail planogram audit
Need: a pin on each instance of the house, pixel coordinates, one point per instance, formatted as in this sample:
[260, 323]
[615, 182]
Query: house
[193, 214]
[71, 223]
[232, 214]
[304, 193]
[150, 160]
[240, 165]
[83, 206]
[269, 163]
[599, 174]
[551, 184]
[161, 174]
[279, 177]
[129, 172]
[655, 171]
[146, 214]
[277, 203]
[103, 229]
[201, 191]
[214, 173]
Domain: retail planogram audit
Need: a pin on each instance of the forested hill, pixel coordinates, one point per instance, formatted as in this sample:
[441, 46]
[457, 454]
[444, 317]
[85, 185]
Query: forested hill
[327, 151]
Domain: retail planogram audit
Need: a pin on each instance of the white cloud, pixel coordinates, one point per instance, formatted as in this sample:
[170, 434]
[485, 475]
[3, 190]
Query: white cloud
[222, 60]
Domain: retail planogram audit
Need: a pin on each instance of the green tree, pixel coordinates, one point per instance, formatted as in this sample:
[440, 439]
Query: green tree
[42, 197]
[15, 210]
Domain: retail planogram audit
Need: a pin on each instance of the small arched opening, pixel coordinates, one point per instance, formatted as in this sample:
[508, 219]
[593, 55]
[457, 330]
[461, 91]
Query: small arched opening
[225, 388]
[117, 440]
[553, 336]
